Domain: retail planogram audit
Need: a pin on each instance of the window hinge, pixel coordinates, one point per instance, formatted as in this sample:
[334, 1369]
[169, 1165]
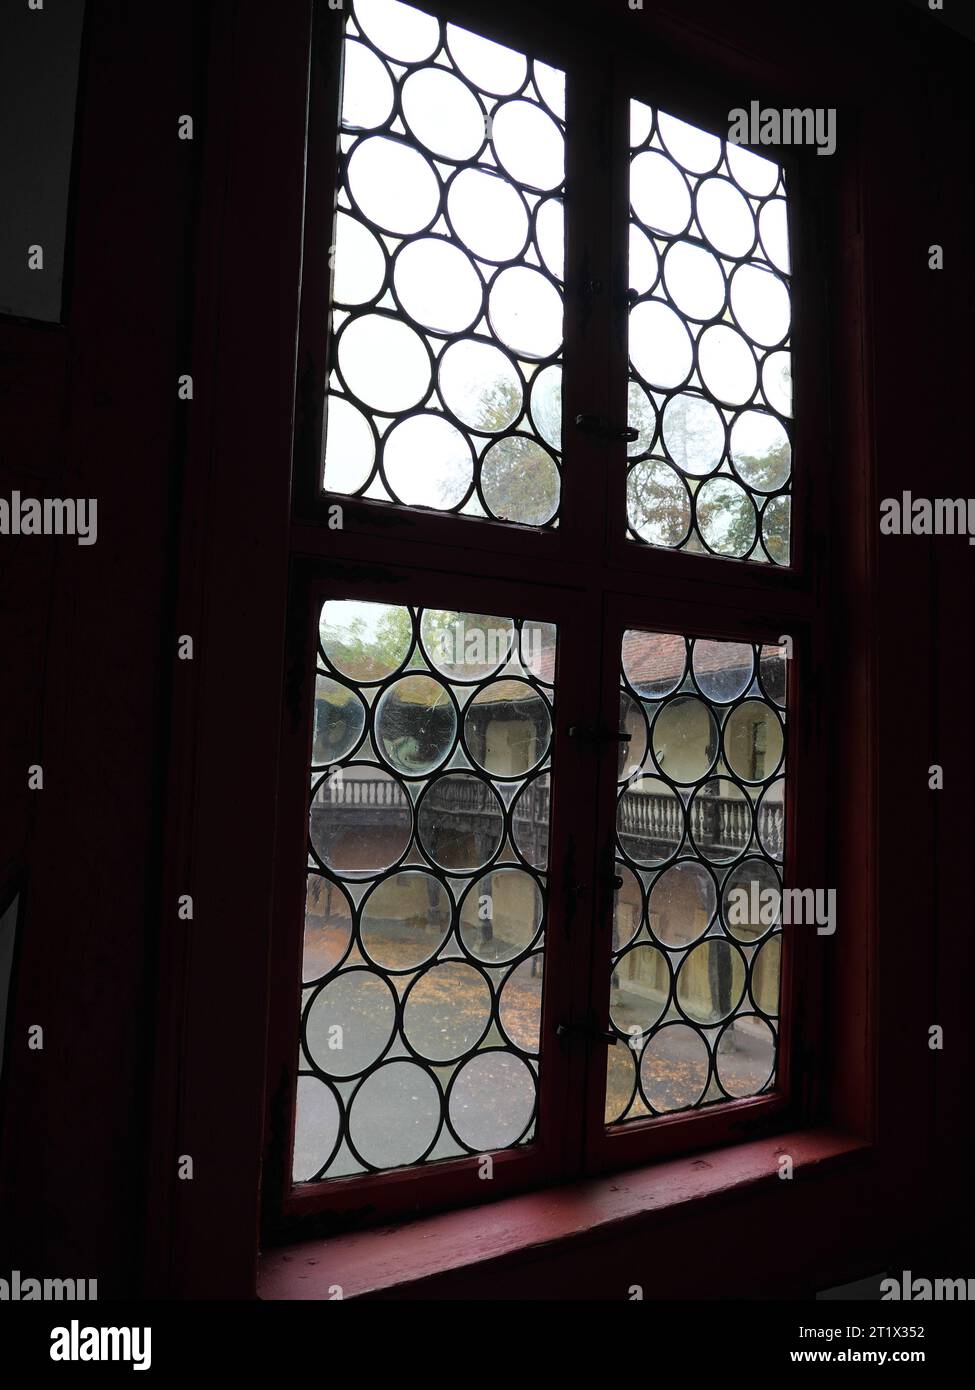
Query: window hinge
[588, 1030]
[590, 423]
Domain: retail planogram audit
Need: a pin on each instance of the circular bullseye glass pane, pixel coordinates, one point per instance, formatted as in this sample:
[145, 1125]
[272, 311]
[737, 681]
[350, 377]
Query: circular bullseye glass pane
[760, 450]
[393, 184]
[492, 1100]
[641, 123]
[632, 753]
[773, 672]
[328, 927]
[316, 1127]
[684, 739]
[766, 969]
[777, 381]
[660, 345]
[550, 235]
[776, 523]
[384, 362]
[551, 87]
[695, 149]
[752, 172]
[639, 989]
[395, 1115]
[528, 144]
[654, 662]
[350, 1022]
[720, 816]
[530, 821]
[360, 262]
[479, 384]
[365, 641]
[751, 900]
[465, 646]
[760, 302]
[641, 416]
[711, 981]
[753, 741]
[340, 717]
[350, 450]
[723, 670]
[367, 91]
[674, 1068]
[520, 1004]
[659, 193]
[694, 280]
[415, 725]
[525, 310]
[726, 517]
[727, 364]
[428, 462]
[650, 821]
[443, 113]
[398, 30]
[447, 1011]
[520, 481]
[488, 215]
[770, 819]
[682, 903]
[335, 824]
[745, 1055]
[620, 1081]
[460, 822]
[694, 433]
[546, 404]
[773, 228]
[643, 261]
[658, 505]
[627, 907]
[489, 65]
[507, 728]
[725, 217]
[405, 920]
[500, 915]
[437, 285]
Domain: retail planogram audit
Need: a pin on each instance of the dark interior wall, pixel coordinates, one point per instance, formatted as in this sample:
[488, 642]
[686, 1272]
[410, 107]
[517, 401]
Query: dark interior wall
[91, 410]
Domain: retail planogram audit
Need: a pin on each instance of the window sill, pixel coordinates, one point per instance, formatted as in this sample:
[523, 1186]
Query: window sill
[399, 1259]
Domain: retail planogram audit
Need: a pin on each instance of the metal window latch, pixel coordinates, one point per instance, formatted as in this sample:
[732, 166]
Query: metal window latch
[595, 424]
[589, 1031]
[597, 735]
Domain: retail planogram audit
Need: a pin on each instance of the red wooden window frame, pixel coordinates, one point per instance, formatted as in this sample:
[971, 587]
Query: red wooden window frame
[652, 588]
[549, 1156]
[273, 530]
